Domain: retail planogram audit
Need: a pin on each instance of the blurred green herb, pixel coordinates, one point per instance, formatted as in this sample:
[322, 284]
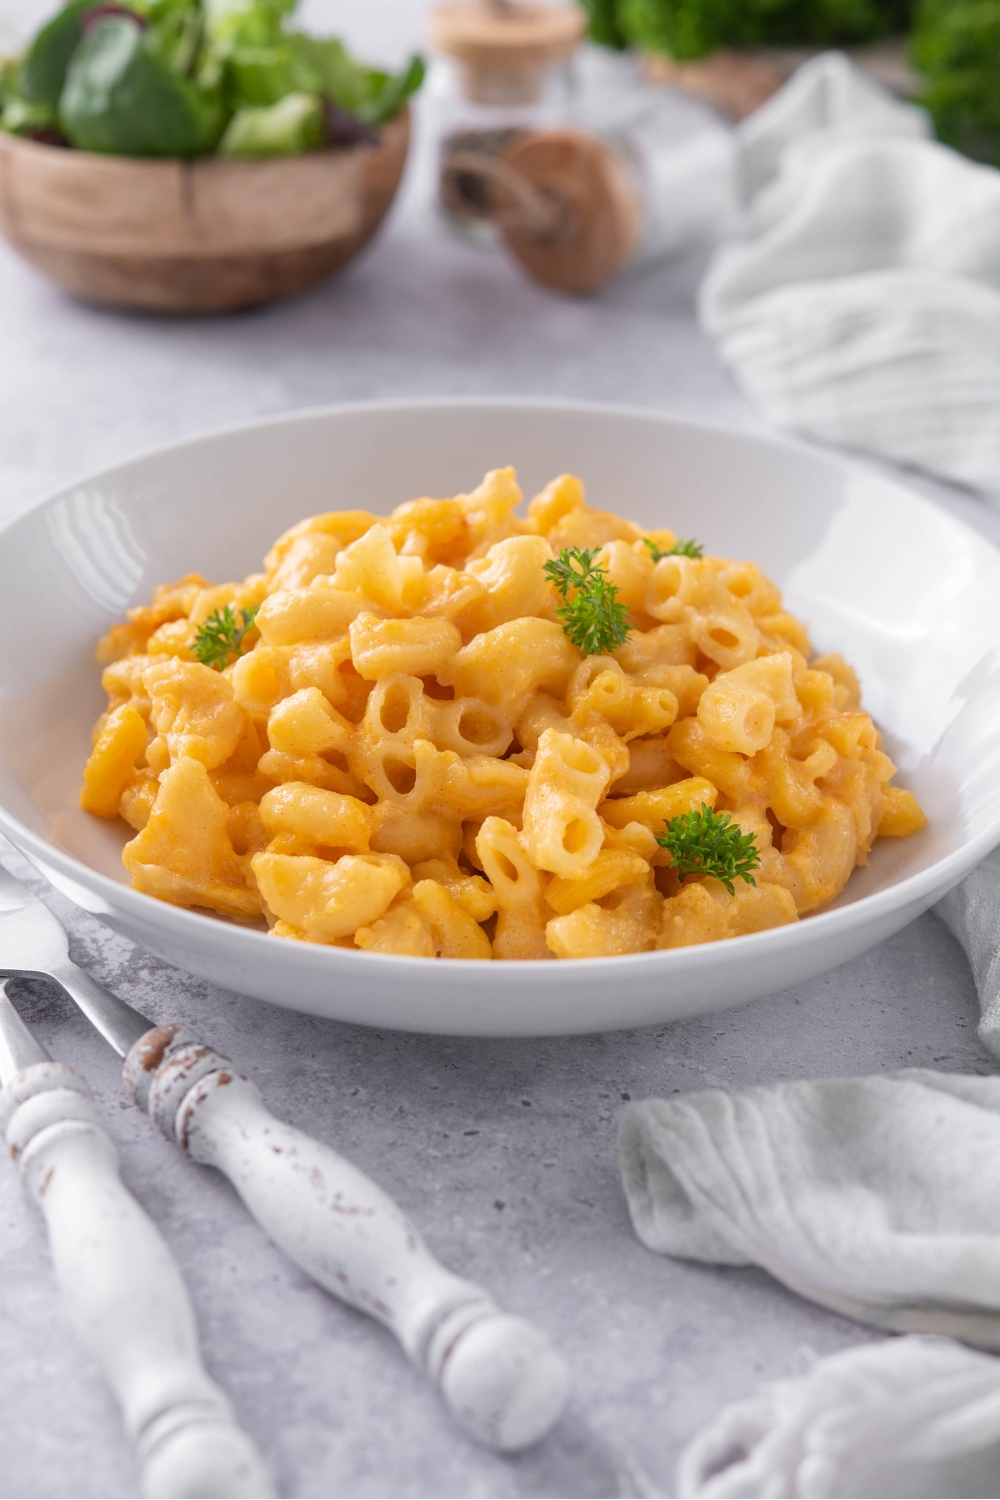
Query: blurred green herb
[590, 613]
[956, 45]
[222, 634]
[604, 26]
[710, 843]
[688, 29]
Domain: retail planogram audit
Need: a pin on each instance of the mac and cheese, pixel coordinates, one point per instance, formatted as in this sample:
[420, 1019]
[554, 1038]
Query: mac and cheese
[405, 753]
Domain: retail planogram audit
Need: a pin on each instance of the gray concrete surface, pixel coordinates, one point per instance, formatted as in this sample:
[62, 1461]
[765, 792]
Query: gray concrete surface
[503, 1152]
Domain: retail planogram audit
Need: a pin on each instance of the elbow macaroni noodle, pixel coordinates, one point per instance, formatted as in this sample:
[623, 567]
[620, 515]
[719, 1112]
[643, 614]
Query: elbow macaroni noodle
[411, 758]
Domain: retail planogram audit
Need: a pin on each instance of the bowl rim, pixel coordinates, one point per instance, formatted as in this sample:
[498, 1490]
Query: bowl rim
[925, 886]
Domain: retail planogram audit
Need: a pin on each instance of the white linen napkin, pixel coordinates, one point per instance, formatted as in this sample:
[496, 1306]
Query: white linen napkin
[878, 1197]
[971, 912]
[863, 308]
[910, 1416]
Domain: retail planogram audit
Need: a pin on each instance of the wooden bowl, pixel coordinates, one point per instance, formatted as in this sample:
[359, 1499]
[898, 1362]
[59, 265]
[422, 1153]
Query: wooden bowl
[195, 237]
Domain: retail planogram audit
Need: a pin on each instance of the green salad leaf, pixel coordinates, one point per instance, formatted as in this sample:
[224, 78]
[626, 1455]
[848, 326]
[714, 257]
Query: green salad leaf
[43, 71]
[323, 66]
[298, 66]
[259, 76]
[121, 98]
[175, 33]
[179, 78]
[293, 124]
[392, 93]
[251, 23]
[20, 117]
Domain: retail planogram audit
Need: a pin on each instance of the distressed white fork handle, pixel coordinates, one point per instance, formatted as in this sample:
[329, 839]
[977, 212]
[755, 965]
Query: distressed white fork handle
[123, 1292]
[501, 1377]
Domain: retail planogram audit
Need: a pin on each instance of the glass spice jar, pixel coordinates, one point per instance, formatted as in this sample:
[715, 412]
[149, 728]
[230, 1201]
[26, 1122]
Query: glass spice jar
[631, 175]
[501, 69]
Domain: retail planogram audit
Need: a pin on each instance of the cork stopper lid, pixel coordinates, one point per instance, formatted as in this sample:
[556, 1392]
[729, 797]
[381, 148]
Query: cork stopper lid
[505, 48]
[595, 213]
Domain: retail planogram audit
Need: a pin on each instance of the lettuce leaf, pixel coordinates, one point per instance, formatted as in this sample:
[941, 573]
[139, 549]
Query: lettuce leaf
[392, 93]
[43, 71]
[123, 99]
[20, 116]
[324, 66]
[258, 76]
[174, 33]
[251, 23]
[293, 125]
[302, 64]
[167, 78]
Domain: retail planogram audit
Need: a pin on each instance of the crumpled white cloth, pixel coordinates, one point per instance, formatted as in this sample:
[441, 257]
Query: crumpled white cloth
[877, 1197]
[863, 308]
[972, 913]
[910, 1416]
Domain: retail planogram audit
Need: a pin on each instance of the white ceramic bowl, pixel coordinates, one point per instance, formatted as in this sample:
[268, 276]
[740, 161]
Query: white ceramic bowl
[909, 595]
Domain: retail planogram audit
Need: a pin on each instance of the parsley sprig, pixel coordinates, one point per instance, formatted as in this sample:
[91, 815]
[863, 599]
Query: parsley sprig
[679, 549]
[222, 634]
[710, 843]
[590, 613]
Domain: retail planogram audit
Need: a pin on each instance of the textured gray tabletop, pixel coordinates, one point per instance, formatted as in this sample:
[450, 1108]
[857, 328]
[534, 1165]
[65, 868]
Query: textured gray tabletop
[503, 1152]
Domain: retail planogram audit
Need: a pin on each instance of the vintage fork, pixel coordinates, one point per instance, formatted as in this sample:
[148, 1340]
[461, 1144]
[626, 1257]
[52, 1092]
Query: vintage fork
[500, 1376]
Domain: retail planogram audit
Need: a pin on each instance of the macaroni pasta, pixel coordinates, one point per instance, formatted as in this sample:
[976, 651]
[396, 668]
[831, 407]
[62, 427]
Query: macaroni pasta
[405, 754]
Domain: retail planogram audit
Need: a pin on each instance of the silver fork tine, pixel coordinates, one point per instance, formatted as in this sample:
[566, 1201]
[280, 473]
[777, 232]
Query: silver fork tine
[33, 941]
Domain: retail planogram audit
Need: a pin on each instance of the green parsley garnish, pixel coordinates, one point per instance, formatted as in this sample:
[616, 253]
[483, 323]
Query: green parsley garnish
[679, 549]
[710, 843]
[591, 616]
[222, 634]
